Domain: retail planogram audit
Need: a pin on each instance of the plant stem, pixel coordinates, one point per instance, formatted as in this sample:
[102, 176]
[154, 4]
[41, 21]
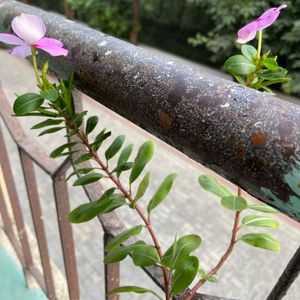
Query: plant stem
[137, 208]
[259, 45]
[33, 51]
[225, 256]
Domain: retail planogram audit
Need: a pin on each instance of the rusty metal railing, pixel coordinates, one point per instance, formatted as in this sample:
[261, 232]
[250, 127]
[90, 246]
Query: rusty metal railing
[248, 137]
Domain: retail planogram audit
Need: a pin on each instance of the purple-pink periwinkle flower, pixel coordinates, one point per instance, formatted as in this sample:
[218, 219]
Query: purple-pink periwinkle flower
[248, 32]
[30, 31]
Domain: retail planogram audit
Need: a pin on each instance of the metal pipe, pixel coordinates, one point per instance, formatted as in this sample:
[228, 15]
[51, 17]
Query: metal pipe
[250, 138]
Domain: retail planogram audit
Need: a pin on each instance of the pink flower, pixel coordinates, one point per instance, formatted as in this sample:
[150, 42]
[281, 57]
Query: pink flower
[248, 32]
[30, 31]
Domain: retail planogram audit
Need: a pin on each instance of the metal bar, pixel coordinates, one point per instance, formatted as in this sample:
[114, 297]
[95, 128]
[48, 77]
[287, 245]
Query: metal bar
[16, 208]
[248, 137]
[37, 216]
[286, 279]
[111, 272]
[66, 234]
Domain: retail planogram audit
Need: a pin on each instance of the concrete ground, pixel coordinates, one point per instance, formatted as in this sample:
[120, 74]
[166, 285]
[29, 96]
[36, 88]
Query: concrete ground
[249, 274]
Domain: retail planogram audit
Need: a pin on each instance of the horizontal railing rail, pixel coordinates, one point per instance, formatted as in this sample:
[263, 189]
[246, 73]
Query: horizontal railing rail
[248, 137]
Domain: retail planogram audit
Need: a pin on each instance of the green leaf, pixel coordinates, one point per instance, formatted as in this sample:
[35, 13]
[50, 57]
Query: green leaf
[123, 167]
[280, 80]
[88, 211]
[259, 221]
[87, 179]
[273, 75]
[116, 255]
[235, 203]
[202, 273]
[249, 51]
[162, 192]
[132, 289]
[79, 118]
[27, 103]
[185, 274]
[48, 122]
[82, 158]
[51, 95]
[144, 255]
[212, 279]
[79, 171]
[51, 130]
[122, 237]
[270, 63]
[91, 124]
[210, 184]
[183, 247]
[114, 147]
[239, 65]
[144, 155]
[100, 138]
[124, 156]
[58, 151]
[141, 190]
[263, 208]
[261, 240]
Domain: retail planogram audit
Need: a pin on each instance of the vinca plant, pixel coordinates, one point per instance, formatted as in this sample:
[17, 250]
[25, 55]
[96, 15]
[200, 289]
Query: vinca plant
[178, 264]
[252, 68]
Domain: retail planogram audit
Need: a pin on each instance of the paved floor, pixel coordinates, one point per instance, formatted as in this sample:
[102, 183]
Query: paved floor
[249, 274]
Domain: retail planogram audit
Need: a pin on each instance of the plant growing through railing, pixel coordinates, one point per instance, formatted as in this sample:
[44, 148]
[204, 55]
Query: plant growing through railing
[55, 102]
[252, 68]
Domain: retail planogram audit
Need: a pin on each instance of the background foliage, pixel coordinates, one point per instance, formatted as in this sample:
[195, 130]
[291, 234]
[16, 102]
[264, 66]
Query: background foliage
[201, 30]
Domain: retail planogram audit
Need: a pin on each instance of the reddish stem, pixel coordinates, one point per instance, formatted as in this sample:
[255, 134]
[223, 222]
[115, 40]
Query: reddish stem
[225, 256]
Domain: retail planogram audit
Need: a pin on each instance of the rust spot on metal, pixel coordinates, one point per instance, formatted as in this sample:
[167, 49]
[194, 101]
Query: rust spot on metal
[258, 139]
[165, 121]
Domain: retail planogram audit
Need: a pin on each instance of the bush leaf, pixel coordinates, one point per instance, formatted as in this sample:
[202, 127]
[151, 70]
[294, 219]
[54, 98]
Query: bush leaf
[144, 255]
[248, 51]
[239, 65]
[48, 122]
[141, 190]
[263, 208]
[235, 203]
[116, 255]
[87, 179]
[144, 155]
[91, 124]
[210, 184]
[58, 151]
[114, 147]
[27, 103]
[132, 289]
[162, 192]
[261, 240]
[259, 221]
[185, 274]
[122, 237]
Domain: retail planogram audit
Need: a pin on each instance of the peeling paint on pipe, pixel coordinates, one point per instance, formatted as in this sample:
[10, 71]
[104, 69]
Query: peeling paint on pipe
[248, 137]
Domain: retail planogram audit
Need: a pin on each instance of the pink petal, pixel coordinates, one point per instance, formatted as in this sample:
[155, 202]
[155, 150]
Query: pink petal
[52, 46]
[269, 17]
[21, 51]
[30, 28]
[247, 33]
[11, 39]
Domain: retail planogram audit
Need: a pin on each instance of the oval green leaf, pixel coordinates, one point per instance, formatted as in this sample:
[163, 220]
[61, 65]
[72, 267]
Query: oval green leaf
[210, 184]
[249, 51]
[235, 203]
[132, 289]
[259, 221]
[239, 65]
[27, 103]
[91, 124]
[116, 255]
[87, 179]
[263, 208]
[144, 155]
[162, 192]
[261, 240]
[48, 122]
[141, 190]
[144, 255]
[185, 274]
[122, 237]
[114, 147]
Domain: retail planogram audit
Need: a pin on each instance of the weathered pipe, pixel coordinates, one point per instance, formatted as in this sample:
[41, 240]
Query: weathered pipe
[248, 137]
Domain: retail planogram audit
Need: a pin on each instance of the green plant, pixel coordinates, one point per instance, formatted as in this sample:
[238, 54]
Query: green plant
[178, 265]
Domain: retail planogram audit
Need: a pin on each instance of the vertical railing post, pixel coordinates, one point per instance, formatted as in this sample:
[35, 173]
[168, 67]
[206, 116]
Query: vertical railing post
[61, 195]
[112, 273]
[16, 208]
[37, 217]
